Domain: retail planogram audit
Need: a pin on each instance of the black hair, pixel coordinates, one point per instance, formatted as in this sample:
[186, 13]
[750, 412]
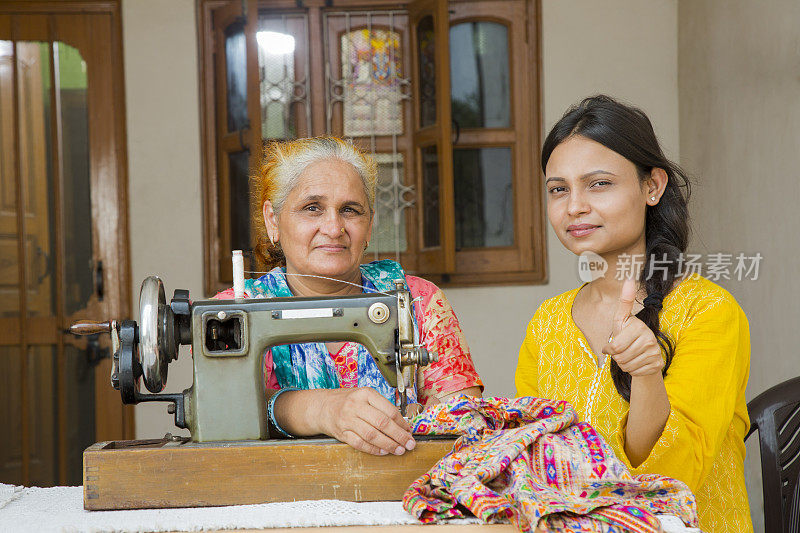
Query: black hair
[627, 131]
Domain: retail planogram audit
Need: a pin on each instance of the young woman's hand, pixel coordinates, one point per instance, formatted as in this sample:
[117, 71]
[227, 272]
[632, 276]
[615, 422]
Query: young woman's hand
[633, 345]
[366, 421]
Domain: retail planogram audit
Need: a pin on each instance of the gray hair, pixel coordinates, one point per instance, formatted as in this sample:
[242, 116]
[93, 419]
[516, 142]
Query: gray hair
[286, 161]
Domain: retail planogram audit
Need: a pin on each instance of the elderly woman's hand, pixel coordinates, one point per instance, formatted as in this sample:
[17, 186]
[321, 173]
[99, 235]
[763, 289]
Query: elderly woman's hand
[366, 421]
[412, 410]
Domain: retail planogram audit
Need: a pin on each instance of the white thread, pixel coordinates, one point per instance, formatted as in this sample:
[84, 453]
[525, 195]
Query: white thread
[320, 277]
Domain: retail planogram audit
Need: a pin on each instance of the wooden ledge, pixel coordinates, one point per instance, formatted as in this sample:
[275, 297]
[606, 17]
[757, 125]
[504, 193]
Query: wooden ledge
[155, 474]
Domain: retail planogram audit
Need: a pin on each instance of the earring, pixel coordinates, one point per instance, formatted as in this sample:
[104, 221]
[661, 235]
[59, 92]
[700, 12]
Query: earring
[653, 198]
[342, 230]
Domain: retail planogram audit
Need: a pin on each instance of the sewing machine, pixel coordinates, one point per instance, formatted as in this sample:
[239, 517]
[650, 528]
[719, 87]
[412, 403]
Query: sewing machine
[225, 408]
[228, 339]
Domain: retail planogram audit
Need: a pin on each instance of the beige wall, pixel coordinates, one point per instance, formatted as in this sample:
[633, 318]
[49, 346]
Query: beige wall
[164, 165]
[626, 48]
[739, 92]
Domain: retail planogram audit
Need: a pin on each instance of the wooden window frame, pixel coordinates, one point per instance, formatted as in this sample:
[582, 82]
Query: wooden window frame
[447, 267]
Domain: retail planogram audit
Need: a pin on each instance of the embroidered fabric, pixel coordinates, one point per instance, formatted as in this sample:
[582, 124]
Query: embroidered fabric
[531, 461]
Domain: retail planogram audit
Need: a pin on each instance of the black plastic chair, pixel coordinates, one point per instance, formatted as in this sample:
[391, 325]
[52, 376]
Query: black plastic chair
[794, 514]
[775, 413]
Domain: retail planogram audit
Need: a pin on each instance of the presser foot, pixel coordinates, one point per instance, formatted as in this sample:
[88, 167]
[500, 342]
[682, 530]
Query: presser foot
[403, 404]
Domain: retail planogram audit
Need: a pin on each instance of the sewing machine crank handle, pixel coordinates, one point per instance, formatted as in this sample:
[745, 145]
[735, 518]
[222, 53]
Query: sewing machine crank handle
[91, 327]
[94, 327]
[124, 340]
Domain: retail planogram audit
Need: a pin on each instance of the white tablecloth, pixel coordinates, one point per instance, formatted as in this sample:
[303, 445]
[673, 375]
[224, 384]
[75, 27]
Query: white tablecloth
[60, 509]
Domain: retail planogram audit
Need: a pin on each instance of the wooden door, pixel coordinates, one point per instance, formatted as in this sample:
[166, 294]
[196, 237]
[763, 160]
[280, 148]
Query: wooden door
[238, 130]
[429, 21]
[63, 234]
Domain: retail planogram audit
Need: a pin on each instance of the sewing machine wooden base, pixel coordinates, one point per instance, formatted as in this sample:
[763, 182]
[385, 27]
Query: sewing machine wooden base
[149, 474]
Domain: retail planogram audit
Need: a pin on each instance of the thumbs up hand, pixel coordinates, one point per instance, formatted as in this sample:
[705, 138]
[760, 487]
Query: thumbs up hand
[632, 344]
[625, 307]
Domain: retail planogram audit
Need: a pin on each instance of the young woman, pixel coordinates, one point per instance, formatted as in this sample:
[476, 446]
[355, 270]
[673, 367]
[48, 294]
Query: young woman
[313, 210]
[657, 363]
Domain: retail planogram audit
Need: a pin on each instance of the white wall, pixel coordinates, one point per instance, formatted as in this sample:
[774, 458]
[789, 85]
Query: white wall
[165, 199]
[626, 48]
[740, 134]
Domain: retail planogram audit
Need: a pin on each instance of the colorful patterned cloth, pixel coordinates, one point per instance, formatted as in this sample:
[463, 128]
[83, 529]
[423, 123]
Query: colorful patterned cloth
[310, 365]
[531, 461]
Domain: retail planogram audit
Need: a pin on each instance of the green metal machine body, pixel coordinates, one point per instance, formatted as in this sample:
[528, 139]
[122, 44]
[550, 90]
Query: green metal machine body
[229, 338]
[227, 400]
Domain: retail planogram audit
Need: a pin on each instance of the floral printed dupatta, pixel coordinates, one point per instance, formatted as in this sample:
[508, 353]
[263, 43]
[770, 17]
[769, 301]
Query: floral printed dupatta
[309, 365]
[531, 461]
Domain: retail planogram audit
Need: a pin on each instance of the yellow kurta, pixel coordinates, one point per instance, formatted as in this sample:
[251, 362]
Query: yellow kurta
[703, 441]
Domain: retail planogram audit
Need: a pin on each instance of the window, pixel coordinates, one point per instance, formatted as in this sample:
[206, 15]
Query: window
[444, 95]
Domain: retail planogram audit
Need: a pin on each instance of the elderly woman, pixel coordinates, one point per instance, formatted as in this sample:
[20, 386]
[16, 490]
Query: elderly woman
[314, 208]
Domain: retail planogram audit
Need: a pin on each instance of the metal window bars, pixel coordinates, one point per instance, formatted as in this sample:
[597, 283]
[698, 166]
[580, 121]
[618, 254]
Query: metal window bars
[371, 92]
[279, 86]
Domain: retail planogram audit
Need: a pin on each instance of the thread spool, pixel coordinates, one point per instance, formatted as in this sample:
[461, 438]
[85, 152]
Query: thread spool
[238, 274]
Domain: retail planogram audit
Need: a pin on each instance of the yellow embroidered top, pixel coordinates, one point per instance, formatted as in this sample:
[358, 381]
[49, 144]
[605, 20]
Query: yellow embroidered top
[703, 441]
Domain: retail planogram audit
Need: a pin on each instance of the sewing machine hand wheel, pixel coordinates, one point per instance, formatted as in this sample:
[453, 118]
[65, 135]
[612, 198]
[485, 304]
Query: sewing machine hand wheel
[157, 343]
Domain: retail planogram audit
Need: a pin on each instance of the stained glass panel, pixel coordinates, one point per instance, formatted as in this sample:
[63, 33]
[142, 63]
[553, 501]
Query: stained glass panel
[276, 73]
[372, 70]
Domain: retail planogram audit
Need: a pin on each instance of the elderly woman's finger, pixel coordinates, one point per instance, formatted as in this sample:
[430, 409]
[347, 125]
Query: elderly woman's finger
[389, 426]
[413, 410]
[377, 437]
[354, 439]
[382, 404]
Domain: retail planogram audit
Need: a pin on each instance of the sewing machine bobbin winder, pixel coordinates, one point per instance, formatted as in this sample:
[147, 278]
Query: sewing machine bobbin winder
[229, 458]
